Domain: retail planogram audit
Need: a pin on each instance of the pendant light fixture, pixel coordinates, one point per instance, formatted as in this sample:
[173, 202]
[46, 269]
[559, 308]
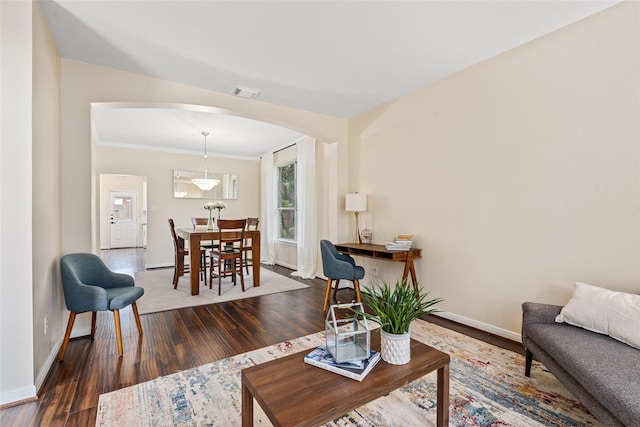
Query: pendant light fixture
[206, 183]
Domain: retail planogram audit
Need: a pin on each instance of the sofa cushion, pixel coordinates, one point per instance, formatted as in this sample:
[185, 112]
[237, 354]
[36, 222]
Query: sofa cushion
[605, 367]
[600, 310]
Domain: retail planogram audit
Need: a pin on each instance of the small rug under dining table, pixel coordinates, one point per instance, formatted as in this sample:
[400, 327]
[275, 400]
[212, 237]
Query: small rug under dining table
[487, 388]
[159, 294]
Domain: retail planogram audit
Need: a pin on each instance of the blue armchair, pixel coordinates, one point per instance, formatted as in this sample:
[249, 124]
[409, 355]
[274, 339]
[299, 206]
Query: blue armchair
[89, 285]
[337, 266]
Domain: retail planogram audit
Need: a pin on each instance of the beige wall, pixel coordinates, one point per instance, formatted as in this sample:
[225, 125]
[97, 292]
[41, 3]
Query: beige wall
[158, 167]
[519, 176]
[48, 301]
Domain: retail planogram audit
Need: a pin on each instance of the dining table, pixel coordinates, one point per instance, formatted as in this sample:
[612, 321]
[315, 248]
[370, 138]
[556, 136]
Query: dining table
[196, 235]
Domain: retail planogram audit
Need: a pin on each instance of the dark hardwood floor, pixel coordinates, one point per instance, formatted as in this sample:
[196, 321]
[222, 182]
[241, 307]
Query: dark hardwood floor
[173, 341]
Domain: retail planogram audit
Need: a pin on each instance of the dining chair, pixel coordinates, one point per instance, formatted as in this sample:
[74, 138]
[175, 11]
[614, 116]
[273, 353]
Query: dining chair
[252, 225]
[337, 266]
[195, 221]
[180, 252]
[89, 285]
[204, 244]
[228, 257]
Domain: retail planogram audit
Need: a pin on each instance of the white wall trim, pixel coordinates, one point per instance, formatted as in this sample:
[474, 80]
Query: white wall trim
[46, 366]
[161, 265]
[82, 331]
[460, 319]
[17, 395]
[480, 325]
[284, 264]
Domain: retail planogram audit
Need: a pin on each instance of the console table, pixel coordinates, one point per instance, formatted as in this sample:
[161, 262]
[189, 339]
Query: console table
[381, 252]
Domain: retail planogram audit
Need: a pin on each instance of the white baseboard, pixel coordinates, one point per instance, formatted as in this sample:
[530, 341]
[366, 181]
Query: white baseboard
[17, 395]
[480, 325]
[163, 265]
[46, 367]
[80, 332]
[284, 264]
[460, 319]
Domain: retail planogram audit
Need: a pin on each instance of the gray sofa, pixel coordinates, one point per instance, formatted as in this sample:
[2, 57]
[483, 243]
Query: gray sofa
[601, 372]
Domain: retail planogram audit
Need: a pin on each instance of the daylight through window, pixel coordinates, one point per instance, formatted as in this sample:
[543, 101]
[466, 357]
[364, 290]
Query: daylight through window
[287, 205]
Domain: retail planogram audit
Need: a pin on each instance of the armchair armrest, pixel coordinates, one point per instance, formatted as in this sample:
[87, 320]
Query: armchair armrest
[533, 313]
[346, 258]
[111, 279]
[86, 298]
[342, 270]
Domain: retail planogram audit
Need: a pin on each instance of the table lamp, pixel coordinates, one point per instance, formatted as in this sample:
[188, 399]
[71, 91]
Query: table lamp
[356, 203]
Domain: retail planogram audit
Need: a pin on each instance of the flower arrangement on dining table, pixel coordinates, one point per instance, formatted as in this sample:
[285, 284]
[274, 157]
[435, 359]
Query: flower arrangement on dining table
[215, 205]
[211, 206]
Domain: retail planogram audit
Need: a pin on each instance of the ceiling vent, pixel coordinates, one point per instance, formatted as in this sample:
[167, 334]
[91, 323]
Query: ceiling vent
[246, 92]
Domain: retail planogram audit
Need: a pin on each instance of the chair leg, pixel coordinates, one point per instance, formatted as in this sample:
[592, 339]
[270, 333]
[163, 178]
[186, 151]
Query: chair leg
[233, 267]
[116, 318]
[335, 291]
[134, 306]
[326, 294]
[527, 363]
[67, 334]
[93, 324]
[176, 270]
[248, 262]
[211, 271]
[175, 277]
[203, 266]
[241, 275]
[220, 263]
[356, 285]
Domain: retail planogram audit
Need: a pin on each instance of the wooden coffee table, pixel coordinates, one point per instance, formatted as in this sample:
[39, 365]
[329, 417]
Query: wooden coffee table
[293, 393]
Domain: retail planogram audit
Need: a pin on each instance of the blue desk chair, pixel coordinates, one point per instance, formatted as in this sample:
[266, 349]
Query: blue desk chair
[337, 266]
[89, 285]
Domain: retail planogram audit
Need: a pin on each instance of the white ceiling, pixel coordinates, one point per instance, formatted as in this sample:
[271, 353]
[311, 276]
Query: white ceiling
[180, 130]
[340, 58]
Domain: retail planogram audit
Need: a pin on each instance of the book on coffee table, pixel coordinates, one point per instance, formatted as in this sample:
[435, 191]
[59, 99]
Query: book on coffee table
[357, 370]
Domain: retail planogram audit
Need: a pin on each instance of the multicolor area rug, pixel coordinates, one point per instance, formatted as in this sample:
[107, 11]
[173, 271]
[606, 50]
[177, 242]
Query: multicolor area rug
[488, 388]
[159, 294]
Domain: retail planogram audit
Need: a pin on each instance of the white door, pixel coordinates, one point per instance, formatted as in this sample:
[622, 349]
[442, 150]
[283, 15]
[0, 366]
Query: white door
[123, 220]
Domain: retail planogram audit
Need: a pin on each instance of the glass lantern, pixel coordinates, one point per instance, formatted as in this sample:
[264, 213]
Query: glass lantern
[347, 333]
[366, 235]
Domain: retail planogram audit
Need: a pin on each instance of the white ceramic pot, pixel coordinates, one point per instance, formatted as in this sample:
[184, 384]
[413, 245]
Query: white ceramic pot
[395, 349]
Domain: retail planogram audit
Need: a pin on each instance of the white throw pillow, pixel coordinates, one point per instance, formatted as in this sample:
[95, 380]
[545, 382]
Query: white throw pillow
[616, 314]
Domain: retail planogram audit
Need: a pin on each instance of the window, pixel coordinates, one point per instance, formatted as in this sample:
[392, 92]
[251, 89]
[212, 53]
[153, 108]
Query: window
[287, 205]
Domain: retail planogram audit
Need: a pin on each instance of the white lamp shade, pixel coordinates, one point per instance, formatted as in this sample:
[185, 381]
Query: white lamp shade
[356, 203]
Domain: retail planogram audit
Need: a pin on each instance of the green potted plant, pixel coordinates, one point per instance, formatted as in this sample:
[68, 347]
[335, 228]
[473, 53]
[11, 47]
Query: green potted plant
[394, 308]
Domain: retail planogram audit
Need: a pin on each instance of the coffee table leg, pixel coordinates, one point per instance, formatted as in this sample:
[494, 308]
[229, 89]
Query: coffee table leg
[247, 407]
[443, 397]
